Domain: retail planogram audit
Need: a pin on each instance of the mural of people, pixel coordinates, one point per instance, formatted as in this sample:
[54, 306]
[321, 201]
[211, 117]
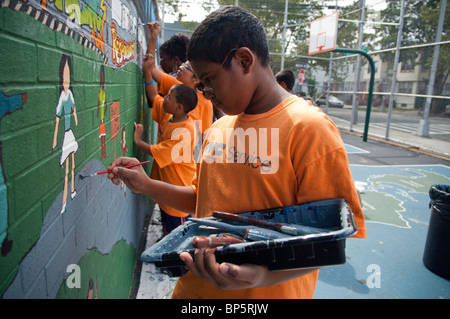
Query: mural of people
[123, 145]
[92, 292]
[102, 106]
[66, 107]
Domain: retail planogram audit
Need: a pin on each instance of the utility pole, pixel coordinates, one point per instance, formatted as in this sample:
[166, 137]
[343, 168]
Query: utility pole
[424, 125]
[394, 75]
[162, 21]
[354, 119]
[330, 69]
[284, 34]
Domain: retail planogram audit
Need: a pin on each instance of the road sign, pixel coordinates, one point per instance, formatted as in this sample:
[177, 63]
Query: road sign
[306, 66]
[323, 34]
[301, 76]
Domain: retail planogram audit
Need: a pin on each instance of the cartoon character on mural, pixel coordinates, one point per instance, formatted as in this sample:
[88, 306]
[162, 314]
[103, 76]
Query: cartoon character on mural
[92, 291]
[123, 145]
[102, 106]
[66, 107]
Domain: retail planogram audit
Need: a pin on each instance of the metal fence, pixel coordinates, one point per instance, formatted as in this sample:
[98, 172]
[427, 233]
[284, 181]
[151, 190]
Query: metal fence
[404, 94]
[416, 90]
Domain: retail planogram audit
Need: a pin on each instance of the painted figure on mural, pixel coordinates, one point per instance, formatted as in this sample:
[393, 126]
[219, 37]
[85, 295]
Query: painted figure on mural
[66, 107]
[123, 145]
[102, 106]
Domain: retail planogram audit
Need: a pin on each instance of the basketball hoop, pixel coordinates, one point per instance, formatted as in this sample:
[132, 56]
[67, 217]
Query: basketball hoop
[323, 34]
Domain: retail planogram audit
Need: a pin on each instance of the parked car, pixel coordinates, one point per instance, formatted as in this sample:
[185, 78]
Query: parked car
[306, 97]
[332, 101]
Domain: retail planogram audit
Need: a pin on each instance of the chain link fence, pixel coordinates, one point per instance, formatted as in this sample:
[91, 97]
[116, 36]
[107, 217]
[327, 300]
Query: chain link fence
[405, 100]
[406, 103]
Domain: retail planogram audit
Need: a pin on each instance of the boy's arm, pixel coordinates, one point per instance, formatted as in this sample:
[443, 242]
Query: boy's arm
[150, 88]
[137, 138]
[153, 31]
[182, 198]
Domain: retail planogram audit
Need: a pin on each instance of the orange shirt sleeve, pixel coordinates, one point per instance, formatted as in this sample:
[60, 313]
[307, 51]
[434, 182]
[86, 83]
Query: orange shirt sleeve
[167, 81]
[158, 113]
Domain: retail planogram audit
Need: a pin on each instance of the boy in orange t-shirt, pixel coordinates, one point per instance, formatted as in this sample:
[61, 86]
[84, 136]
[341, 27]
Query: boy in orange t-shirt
[273, 150]
[173, 154]
[203, 114]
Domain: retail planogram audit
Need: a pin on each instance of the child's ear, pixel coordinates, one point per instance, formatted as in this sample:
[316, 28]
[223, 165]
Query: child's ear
[246, 59]
[195, 81]
[180, 107]
[283, 85]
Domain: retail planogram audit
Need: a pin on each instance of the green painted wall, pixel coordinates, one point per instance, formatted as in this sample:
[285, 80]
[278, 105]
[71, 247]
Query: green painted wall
[94, 283]
[100, 227]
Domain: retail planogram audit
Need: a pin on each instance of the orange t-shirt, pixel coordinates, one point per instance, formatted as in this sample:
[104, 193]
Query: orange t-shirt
[293, 154]
[172, 164]
[203, 111]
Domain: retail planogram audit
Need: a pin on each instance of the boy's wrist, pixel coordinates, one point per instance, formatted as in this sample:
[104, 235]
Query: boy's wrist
[151, 53]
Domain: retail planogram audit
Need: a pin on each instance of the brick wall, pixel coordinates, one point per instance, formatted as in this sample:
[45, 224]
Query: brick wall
[50, 135]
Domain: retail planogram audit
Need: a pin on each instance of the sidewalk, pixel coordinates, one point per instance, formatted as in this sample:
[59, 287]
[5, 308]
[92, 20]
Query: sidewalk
[153, 283]
[427, 145]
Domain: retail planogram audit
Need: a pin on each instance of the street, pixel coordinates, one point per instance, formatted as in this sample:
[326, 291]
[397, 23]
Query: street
[401, 120]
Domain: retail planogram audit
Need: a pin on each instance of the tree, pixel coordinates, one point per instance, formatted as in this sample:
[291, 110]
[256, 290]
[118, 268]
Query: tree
[420, 24]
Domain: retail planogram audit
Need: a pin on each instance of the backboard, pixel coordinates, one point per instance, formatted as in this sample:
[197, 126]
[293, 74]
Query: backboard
[323, 34]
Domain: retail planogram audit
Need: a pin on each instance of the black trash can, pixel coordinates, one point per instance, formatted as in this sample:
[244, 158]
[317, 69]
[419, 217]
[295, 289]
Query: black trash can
[436, 256]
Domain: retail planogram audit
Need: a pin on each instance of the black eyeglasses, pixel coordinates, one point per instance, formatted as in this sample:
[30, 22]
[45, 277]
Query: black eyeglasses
[208, 88]
[186, 67]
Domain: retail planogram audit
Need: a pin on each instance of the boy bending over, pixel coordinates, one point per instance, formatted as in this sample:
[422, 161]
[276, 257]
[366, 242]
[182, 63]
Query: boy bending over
[173, 155]
[294, 154]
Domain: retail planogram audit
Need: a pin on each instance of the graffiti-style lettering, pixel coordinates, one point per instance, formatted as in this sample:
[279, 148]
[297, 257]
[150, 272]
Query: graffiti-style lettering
[121, 51]
[90, 12]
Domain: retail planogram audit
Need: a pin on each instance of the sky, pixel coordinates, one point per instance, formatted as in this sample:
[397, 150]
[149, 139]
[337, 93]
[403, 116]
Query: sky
[195, 12]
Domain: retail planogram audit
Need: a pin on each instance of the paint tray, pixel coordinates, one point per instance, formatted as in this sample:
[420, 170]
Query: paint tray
[290, 252]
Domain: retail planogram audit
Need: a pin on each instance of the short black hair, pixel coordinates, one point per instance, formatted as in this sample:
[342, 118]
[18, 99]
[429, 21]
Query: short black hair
[186, 96]
[228, 28]
[287, 76]
[176, 46]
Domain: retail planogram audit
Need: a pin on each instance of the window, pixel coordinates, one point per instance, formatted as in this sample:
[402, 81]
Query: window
[405, 87]
[407, 67]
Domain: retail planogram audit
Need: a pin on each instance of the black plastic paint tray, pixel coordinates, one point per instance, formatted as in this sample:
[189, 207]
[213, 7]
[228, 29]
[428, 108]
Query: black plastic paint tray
[290, 252]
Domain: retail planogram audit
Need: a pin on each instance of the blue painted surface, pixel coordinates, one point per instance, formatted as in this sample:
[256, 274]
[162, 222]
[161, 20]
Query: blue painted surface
[395, 251]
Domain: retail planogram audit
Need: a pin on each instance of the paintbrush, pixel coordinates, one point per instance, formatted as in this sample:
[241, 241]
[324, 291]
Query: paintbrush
[104, 172]
[290, 229]
[248, 232]
[215, 241]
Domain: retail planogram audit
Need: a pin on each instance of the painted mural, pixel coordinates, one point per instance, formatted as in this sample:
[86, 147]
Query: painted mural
[74, 58]
[66, 107]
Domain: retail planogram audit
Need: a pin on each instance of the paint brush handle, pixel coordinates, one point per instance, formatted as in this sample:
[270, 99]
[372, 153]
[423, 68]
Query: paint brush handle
[247, 232]
[248, 220]
[128, 166]
[290, 229]
[244, 219]
[215, 241]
